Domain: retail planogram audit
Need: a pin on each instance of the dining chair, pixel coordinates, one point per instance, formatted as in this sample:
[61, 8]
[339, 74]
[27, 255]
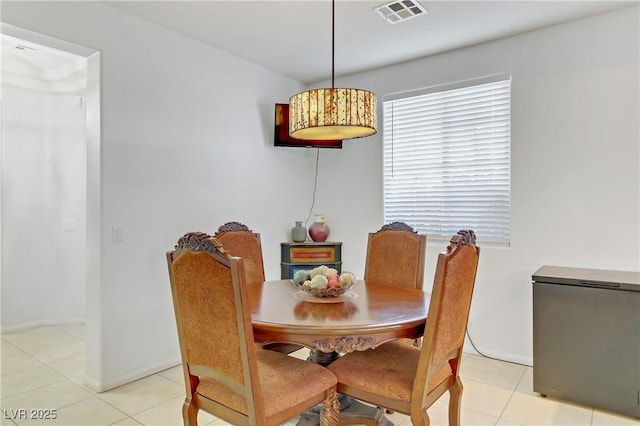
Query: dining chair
[410, 379]
[225, 373]
[242, 242]
[396, 256]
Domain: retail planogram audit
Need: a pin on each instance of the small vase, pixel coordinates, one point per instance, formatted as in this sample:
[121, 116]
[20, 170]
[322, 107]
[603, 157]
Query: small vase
[319, 230]
[298, 233]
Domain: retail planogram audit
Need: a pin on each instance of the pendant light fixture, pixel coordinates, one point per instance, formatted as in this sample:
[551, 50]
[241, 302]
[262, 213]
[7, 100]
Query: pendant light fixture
[332, 114]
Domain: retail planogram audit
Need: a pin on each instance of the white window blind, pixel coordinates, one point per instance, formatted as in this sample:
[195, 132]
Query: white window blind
[447, 159]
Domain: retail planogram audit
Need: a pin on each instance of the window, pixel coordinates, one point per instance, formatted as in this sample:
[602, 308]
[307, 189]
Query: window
[447, 158]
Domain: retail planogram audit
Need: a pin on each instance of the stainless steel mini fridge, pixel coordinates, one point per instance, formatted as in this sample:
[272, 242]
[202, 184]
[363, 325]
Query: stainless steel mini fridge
[586, 337]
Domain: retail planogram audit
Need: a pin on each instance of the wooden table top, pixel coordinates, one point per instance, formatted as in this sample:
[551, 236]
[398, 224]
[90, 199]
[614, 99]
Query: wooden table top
[372, 314]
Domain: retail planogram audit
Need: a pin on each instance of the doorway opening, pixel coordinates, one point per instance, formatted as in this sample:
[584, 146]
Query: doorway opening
[49, 185]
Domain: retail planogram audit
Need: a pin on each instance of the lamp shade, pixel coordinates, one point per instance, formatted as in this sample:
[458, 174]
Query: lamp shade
[332, 114]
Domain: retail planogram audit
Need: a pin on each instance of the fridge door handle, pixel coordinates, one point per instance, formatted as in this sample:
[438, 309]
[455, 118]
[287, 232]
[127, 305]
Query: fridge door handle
[599, 284]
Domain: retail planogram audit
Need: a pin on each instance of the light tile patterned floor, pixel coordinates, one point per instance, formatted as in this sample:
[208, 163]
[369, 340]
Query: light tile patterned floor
[43, 368]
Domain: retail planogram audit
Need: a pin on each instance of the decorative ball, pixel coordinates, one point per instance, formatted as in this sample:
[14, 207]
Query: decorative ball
[319, 281]
[319, 270]
[301, 276]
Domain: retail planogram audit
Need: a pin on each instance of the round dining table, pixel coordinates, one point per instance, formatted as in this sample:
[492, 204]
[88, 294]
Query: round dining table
[366, 316]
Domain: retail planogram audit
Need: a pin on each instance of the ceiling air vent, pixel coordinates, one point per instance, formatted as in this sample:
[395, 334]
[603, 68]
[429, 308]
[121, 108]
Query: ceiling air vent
[24, 47]
[401, 10]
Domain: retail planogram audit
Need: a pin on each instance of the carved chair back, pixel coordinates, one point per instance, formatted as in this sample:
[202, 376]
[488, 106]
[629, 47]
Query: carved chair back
[396, 255]
[242, 242]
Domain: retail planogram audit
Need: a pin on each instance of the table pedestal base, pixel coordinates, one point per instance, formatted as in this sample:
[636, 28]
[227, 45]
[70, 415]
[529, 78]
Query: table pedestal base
[352, 411]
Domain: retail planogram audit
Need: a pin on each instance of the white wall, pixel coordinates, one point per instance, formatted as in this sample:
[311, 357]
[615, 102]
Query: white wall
[23, 181]
[44, 198]
[575, 183]
[186, 146]
[66, 148]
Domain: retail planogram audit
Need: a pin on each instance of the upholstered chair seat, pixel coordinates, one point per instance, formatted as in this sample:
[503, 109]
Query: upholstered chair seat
[388, 371]
[280, 391]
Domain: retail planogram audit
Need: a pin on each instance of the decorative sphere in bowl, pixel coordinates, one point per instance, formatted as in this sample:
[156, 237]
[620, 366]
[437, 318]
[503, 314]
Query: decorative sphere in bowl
[323, 281]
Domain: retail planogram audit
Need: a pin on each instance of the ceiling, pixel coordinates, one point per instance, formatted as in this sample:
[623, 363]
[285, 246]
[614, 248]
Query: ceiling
[293, 38]
[31, 65]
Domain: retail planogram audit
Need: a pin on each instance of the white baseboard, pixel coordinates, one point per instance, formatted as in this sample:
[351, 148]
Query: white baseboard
[500, 356]
[41, 323]
[101, 386]
[92, 383]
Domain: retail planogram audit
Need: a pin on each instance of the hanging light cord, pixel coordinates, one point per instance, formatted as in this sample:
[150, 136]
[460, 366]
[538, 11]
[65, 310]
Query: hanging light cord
[315, 186]
[333, 43]
[333, 77]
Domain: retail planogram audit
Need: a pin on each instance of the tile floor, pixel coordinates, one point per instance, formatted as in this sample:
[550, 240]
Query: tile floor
[42, 368]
